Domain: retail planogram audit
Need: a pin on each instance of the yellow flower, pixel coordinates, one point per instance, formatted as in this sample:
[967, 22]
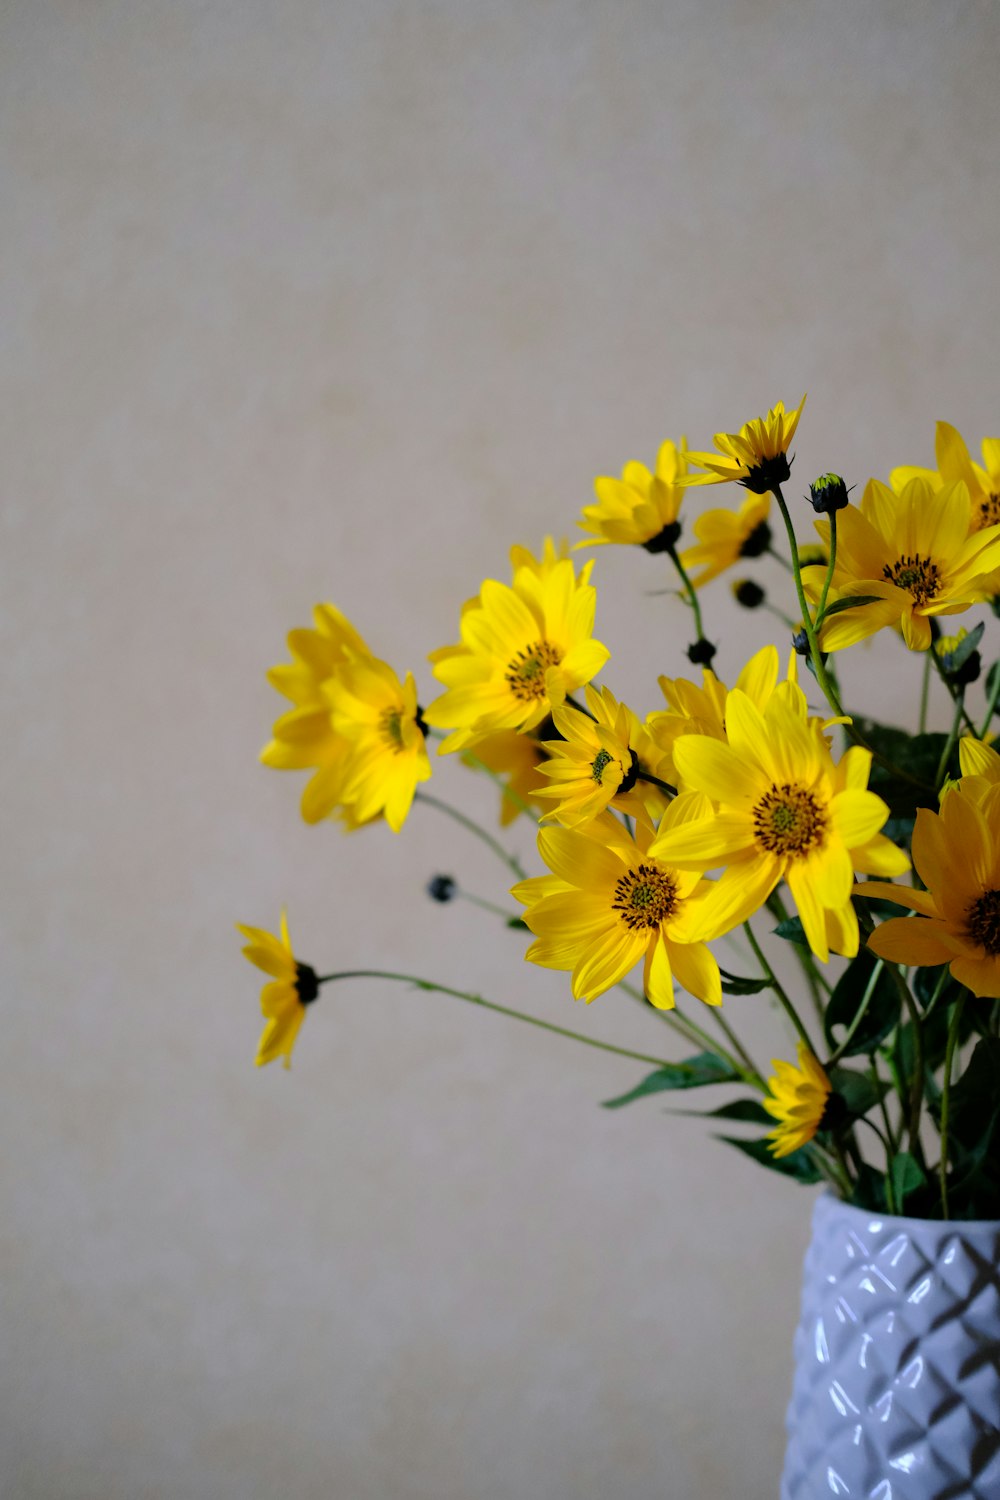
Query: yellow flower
[353, 722]
[980, 765]
[797, 1101]
[523, 649]
[957, 856]
[954, 463]
[597, 761]
[377, 716]
[785, 811]
[293, 986]
[304, 738]
[756, 456]
[724, 536]
[610, 903]
[519, 758]
[702, 710]
[914, 552]
[640, 508]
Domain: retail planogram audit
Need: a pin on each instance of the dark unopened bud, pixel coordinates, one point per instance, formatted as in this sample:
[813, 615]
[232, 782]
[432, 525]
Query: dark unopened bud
[442, 888]
[748, 593]
[701, 653]
[800, 643]
[961, 663]
[827, 494]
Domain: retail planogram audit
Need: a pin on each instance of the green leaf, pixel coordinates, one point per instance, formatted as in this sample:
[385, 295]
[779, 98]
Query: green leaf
[955, 660]
[926, 982]
[915, 755]
[869, 1190]
[798, 1164]
[857, 1092]
[974, 1135]
[735, 984]
[695, 1073]
[792, 931]
[907, 1178]
[750, 1110]
[881, 1015]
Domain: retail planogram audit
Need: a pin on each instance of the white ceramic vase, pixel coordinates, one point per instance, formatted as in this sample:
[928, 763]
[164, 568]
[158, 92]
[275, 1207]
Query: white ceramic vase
[896, 1394]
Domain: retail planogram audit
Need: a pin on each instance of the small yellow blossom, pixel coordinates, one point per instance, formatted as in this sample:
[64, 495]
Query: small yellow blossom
[756, 456]
[598, 762]
[640, 508]
[726, 536]
[797, 1100]
[293, 986]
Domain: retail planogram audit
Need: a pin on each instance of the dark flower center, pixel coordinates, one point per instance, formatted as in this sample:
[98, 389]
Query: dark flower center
[525, 674]
[788, 820]
[306, 984]
[645, 897]
[983, 918]
[919, 576]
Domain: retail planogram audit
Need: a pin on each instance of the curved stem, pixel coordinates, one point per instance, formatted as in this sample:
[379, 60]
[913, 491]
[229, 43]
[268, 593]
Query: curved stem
[471, 759]
[510, 860]
[953, 1030]
[503, 1010]
[770, 975]
[816, 656]
[690, 593]
[692, 1032]
[991, 704]
[664, 786]
[951, 741]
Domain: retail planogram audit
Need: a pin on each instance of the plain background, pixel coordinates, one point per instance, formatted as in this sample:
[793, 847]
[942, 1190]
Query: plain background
[309, 301]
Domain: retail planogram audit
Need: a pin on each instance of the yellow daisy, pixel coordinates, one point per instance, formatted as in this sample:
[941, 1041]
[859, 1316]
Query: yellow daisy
[293, 986]
[304, 738]
[523, 649]
[980, 766]
[378, 717]
[956, 853]
[915, 552]
[756, 456]
[609, 903]
[797, 1100]
[640, 508]
[724, 536]
[597, 763]
[954, 463]
[785, 812]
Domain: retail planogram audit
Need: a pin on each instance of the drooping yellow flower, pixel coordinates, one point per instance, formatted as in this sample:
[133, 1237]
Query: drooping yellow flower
[724, 536]
[756, 456]
[785, 811]
[640, 508]
[915, 553]
[980, 766]
[377, 716]
[609, 903]
[518, 757]
[293, 986]
[797, 1100]
[956, 853]
[304, 738]
[523, 649]
[597, 763]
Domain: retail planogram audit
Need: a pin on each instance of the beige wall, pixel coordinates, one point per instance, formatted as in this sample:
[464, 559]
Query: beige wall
[307, 301]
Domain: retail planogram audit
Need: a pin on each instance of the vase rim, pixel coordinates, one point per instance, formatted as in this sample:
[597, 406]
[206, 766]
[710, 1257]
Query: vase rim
[831, 1200]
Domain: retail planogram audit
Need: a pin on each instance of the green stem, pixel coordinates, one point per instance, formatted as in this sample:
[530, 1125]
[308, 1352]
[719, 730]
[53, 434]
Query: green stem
[692, 1032]
[859, 1014]
[939, 989]
[925, 689]
[772, 978]
[955, 691]
[503, 1010]
[991, 703]
[883, 1107]
[510, 860]
[482, 902]
[778, 557]
[816, 656]
[521, 803]
[953, 1030]
[690, 593]
[738, 1046]
[951, 742]
[831, 565]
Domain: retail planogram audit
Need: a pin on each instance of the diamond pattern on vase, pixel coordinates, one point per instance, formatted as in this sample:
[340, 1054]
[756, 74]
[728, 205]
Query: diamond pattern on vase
[896, 1394]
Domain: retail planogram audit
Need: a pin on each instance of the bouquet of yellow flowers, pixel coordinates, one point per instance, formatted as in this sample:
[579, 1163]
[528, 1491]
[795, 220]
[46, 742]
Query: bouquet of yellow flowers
[726, 804]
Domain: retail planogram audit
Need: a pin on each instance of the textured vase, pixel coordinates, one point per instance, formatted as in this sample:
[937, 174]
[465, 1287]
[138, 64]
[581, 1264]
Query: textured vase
[896, 1394]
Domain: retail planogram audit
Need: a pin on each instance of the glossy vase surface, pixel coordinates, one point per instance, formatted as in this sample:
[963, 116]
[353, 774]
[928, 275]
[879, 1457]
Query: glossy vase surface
[896, 1393]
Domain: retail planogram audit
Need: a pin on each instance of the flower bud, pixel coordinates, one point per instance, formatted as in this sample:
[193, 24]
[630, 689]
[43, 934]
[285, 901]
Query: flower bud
[701, 653]
[442, 888]
[827, 494]
[748, 593]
